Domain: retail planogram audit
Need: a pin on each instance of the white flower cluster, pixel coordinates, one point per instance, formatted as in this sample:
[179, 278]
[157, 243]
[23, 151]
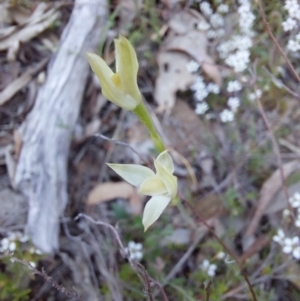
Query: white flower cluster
[8, 243]
[203, 25]
[246, 17]
[209, 268]
[135, 251]
[227, 115]
[236, 51]
[192, 66]
[234, 86]
[295, 203]
[223, 9]
[254, 95]
[294, 44]
[199, 88]
[216, 21]
[206, 8]
[233, 103]
[289, 245]
[293, 8]
[201, 91]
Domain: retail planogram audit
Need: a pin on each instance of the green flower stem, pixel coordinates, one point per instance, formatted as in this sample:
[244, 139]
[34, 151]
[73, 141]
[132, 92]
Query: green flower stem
[143, 115]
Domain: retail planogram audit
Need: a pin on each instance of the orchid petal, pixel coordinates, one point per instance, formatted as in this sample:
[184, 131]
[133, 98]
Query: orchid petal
[169, 180]
[127, 66]
[109, 89]
[153, 186]
[166, 160]
[133, 174]
[153, 209]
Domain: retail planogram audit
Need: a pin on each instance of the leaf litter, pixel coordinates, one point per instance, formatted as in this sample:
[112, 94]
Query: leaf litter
[184, 130]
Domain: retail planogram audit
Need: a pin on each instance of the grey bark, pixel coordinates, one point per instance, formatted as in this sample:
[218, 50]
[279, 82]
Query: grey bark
[41, 173]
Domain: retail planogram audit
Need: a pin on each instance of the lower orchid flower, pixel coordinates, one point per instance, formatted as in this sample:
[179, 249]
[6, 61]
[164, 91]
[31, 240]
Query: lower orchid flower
[161, 186]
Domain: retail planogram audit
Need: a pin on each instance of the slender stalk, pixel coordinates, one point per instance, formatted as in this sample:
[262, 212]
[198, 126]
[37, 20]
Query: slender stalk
[143, 115]
[243, 272]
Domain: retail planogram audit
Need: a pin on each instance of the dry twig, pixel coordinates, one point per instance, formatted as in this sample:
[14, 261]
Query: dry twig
[137, 267]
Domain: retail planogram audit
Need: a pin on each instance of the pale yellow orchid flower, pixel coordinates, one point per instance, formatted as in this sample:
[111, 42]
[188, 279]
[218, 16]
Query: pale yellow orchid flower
[162, 185]
[121, 87]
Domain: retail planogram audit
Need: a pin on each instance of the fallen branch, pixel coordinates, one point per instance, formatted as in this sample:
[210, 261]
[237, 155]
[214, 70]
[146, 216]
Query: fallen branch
[41, 173]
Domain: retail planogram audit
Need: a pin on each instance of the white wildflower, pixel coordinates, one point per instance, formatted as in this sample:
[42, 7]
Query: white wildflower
[226, 116]
[201, 108]
[286, 212]
[279, 238]
[12, 246]
[32, 264]
[293, 45]
[4, 244]
[289, 24]
[205, 8]
[223, 9]
[211, 34]
[192, 66]
[296, 252]
[198, 84]
[38, 252]
[257, 93]
[297, 222]
[24, 238]
[213, 88]
[216, 20]
[203, 26]
[135, 250]
[221, 255]
[234, 86]
[293, 8]
[239, 60]
[199, 88]
[209, 268]
[233, 103]
[246, 17]
[295, 200]
[291, 246]
[201, 94]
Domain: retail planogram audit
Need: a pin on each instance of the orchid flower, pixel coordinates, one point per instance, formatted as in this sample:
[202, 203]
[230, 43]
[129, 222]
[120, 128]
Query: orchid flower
[121, 87]
[161, 186]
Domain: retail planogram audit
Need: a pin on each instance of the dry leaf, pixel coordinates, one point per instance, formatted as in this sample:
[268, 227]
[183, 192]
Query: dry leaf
[212, 71]
[184, 130]
[108, 191]
[183, 44]
[172, 78]
[185, 21]
[270, 187]
[31, 30]
[19, 14]
[18, 143]
[20, 82]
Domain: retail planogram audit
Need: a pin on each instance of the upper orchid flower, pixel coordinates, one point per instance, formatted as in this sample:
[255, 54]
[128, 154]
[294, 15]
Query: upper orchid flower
[120, 87]
[162, 186]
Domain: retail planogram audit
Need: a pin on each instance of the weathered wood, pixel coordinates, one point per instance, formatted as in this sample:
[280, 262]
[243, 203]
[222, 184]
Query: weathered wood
[41, 173]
